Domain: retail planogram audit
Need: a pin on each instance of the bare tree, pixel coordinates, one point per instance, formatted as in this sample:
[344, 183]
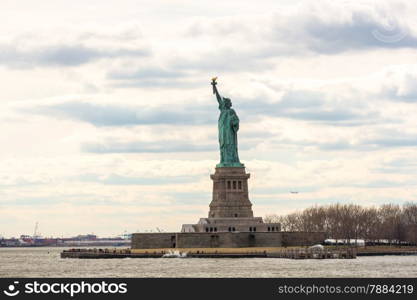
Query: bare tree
[369, 224]
[389, 222]
[390, 227]
[410, 220]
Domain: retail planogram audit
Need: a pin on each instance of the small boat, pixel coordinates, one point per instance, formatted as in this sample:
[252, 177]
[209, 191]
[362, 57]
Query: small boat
[175, 254]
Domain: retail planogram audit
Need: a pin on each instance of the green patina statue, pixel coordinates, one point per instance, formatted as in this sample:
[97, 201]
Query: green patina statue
[228, 127]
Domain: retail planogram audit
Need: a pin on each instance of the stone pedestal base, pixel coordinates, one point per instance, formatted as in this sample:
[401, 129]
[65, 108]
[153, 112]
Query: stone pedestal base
[230, 194]
[255, 224]
[230, 208]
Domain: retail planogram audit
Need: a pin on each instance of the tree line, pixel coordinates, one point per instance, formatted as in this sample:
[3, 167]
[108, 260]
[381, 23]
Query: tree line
[390, 223]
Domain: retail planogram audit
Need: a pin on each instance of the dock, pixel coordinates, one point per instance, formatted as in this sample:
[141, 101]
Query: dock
[157, 253]
[290, 253]
[302, 253]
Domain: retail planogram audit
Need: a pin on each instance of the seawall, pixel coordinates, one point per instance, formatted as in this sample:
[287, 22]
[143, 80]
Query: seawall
[225, 239]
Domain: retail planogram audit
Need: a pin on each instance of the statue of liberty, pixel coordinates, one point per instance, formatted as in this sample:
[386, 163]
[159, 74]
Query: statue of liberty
[228, 126]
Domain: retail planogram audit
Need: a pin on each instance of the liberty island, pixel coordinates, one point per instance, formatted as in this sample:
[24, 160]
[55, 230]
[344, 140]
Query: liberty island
[230, 227]
[230, 222]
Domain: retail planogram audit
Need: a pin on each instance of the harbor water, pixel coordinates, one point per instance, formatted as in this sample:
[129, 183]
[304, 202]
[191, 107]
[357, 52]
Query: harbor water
[46, 262]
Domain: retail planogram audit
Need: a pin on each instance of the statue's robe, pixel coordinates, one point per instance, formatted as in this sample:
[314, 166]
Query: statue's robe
[228, 127]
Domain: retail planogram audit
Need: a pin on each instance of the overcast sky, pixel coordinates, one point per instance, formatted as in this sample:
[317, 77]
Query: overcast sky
[108, 122]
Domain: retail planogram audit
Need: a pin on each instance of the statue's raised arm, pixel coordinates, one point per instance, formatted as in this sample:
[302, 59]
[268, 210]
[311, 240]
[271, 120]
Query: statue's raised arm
[215, 91]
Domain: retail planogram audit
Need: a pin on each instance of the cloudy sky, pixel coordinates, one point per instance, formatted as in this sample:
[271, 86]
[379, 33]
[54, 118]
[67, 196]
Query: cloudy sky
[108, 122]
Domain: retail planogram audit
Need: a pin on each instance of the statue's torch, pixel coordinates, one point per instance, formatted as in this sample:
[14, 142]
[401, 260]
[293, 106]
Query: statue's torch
[213, 83]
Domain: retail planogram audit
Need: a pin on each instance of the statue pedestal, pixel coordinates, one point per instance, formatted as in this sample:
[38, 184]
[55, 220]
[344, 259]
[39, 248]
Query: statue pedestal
[230, 194]
[230, 208]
